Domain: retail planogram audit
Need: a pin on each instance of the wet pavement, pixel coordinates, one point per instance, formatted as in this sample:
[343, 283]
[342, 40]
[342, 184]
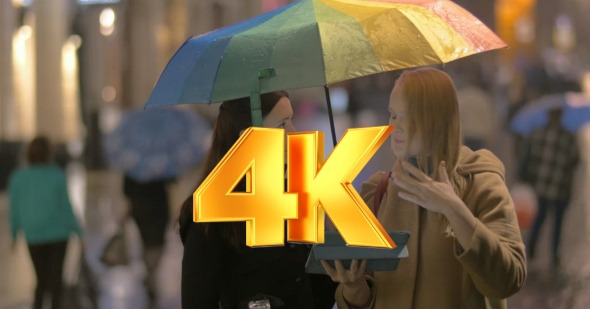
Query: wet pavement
[97, 198]
[568, 286]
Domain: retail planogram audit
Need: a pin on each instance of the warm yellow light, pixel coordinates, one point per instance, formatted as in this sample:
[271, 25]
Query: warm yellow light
[107, 17]
[564, 34]
[69, 57]
[76, 41]
[70, 88]
[20, 3]
[108, 94]
[25, 32]
[107, 21]
[23, 125]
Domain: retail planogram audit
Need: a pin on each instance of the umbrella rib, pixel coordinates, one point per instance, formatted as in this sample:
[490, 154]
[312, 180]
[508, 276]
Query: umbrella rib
[218, 90]
[215, 82]
[418, 30]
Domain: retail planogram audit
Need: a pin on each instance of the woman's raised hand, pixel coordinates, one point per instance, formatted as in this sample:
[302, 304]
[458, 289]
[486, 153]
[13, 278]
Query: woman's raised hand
[419, 188]
[436, 196]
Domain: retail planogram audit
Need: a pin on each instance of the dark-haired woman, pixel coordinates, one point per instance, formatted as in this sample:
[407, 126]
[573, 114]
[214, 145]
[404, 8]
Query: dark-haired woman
[218, 269]
[40, 207]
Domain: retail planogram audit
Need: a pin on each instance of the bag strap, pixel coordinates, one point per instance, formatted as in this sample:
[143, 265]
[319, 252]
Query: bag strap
[381, 189]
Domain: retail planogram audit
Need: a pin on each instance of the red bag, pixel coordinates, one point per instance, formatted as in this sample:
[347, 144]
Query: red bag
[525, 204]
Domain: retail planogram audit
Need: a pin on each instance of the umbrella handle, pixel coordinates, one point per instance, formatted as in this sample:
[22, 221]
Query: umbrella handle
[255, 104]
[256, 108]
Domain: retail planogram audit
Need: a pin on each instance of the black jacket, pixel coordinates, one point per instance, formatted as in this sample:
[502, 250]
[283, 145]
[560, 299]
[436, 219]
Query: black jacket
[213, 273]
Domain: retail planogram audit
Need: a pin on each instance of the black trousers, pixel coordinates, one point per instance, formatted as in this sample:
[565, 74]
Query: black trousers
[48, 260]
[558, 207]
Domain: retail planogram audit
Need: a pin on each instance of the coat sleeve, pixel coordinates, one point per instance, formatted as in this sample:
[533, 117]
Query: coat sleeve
[368, 190]
[343, 304]
[495, 258]
[201, 270]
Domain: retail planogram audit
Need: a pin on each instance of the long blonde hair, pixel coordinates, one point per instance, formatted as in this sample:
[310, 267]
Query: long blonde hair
[433, 118]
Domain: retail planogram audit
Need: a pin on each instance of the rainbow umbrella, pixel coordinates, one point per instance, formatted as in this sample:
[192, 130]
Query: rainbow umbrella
[316, 43]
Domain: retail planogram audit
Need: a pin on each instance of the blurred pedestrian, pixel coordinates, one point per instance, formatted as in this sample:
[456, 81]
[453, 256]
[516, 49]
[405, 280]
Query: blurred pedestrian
[478, 117]
[40, 207]
[548, 164]
[465, 245]
[149, 208]
[218, 269]
[529, 85]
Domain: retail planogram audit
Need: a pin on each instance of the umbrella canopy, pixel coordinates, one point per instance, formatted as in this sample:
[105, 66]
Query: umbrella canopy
[319, 42]
[576, 112]
[316, 43]
[159, 143]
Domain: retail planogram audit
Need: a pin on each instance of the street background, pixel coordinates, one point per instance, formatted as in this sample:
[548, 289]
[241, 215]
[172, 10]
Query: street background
[71, 68]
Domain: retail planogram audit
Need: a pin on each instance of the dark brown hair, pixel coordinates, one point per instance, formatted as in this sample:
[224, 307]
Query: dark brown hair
[39, 151]
[234, 117]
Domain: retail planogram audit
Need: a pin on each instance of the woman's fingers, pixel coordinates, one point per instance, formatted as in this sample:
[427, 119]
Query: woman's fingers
[340, 268]
[329, 270]
[410, 197]
[397, 164]
[340, 274]
[405, 183]
[354, 267]
[363, 267]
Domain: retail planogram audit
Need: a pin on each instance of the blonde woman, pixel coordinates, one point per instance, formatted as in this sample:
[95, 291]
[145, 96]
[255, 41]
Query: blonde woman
[465, 245]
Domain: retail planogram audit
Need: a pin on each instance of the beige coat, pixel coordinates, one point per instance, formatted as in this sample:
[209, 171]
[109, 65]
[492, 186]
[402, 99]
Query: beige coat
[439, 273]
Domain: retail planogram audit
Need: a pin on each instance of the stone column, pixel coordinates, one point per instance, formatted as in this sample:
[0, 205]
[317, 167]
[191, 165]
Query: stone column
[101, 70]
[8, 125]
[200, 16]
[145, 36]
[177, 20]
[100, 57]
[50, 32]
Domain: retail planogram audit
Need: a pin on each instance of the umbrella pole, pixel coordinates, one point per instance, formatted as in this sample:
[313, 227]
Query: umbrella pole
[327, 92]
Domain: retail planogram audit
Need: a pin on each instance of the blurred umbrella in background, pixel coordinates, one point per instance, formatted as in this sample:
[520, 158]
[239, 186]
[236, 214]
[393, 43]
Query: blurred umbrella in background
[576, 113]
[312, 43]
[160, 143]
